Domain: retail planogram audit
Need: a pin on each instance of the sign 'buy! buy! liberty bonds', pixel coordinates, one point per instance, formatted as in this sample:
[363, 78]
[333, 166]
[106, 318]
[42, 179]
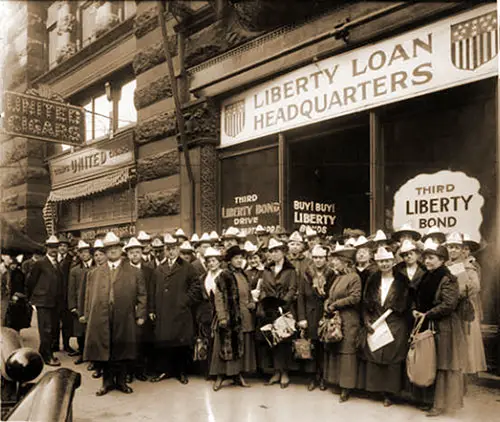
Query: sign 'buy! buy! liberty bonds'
[447, 200]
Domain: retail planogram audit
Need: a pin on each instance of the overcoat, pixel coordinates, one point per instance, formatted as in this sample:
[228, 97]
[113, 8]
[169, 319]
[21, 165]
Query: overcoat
[310, 302]
[205, 311]
[253, 276]
[76, 295]
[44, 284]
[19, 312]
[65, 265]
[119, 343]
[345, 297]
[437, 296]
[199, 269]
[301, 263]
[177, 290]
[398, 301]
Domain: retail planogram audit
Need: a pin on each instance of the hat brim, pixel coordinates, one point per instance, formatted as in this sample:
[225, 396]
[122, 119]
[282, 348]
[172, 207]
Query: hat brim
[441, 236]
[347, 254]
[110, 245]
[473, 246]
[413, 233]
[52, 245]
[443, 255]
[126, 248]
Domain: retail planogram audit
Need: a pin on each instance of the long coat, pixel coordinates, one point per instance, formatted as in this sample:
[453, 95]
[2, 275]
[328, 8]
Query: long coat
[77, 287]
[19, 312]
[119, 342]
[310, 302]
[398, 301]
[66, 265]
[253, 276]
[177, 290]
[345, 297]
[44, 284]
[438, 295]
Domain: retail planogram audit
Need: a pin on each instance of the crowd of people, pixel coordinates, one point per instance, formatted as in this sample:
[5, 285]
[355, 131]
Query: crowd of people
[156, 307]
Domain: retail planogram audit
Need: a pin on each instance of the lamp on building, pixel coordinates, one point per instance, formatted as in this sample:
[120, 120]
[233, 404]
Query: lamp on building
[107, 87]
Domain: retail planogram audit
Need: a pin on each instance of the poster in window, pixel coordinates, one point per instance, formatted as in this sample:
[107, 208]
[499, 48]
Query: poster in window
[250, 192]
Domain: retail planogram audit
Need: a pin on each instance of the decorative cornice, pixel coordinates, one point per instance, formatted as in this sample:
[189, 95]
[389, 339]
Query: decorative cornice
[153, 55]
[159, 165]
[159, 203]
[156, 90]
[202, 123]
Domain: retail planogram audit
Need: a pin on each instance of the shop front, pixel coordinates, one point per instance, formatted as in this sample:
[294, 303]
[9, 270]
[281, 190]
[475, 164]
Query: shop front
[403, 130]
[93, 190]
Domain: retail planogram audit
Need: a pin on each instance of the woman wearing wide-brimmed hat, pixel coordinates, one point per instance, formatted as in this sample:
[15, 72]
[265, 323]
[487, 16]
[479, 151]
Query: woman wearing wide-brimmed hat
[436, 300]
[278, 293]
[381, 370]
[234, 347]
[364, 264]
[341, 362]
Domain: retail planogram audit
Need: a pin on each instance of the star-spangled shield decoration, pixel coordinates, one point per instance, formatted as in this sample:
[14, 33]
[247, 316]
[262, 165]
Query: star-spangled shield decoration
[234, 118]
[474, 42]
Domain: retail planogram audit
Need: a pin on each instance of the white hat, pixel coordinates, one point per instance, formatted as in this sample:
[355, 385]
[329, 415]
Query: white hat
[454, 238]
[310, 232]
[231, 233]
[249, 247]
[434, 232]
[180, 233]
[407, 246]
[429, 244]
[261, 230]
[406, 229]
[186, 247]
[346, 252]
[195, 239]
[295, 237]
[350, 242]
[274, 244]
[111, 239]
[52, 241]
[382, 253]
[214, 237]
[212, 252]
[168, 239]
[380, 236]
[19, 258]
[143, 236]
[361, 241]
[98, 244]
[205, 238]
[241, 235]
[318, 250]
[82, 245]
[157, 243]
[132, 243]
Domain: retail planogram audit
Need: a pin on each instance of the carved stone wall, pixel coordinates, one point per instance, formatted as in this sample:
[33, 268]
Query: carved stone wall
[159, 165]
[156, 90]
[156, 127]
[145, 22]
[159, 203]
[208, 187]
[153, 55]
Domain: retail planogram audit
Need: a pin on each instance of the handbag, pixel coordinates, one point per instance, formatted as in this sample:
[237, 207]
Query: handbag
[421, 365]
[281, 329]
[303, 348]
[200, 349]
[330, 329]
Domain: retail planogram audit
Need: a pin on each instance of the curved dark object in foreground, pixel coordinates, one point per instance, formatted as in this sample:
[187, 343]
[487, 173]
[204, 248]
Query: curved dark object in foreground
[50, 400]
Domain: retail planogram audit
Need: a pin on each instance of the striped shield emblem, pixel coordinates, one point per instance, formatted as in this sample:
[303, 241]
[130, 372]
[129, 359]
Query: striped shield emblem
[234, 118]
[474, 42]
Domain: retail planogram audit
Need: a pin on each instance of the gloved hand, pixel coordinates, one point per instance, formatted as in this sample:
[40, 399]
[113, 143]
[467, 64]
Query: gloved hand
[302, 324]
[140, 321]
[152, 316]
[251, 306]
[82, 320]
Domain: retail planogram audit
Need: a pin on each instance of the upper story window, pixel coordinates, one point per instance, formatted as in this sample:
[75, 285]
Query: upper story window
[72, 25]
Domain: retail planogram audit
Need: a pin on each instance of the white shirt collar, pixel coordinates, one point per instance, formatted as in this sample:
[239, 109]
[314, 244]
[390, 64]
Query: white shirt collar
[115, 264]
[136, 265]
[53, 260]
[87, 264]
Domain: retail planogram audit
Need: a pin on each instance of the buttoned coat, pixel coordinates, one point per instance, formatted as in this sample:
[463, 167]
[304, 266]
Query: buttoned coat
[76, 295]
[119, 343]
[177, 290]
[44, 284]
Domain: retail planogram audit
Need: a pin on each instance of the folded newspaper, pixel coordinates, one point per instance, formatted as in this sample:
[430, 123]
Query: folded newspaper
[382, 334]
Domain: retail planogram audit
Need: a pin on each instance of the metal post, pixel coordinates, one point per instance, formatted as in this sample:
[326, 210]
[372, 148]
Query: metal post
[282, 177]
[377, 206]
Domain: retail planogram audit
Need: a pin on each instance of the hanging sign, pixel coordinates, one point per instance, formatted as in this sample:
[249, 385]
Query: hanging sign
[457, 50]
[447, 200]
[319, 216]
[42, 119]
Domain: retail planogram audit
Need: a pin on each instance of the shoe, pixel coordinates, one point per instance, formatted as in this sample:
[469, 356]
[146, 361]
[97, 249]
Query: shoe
[322, 384]
[239, 380]
[103, 391]
[124, 388]
[90, 367]
[218, 383]
[159, 378]
[312, 385]
[388, 402]
[129, 379]
[71, 352]
[275, 379]
[285, 381]
[434, 412]
[141, 377]
[183, 379]
[424, 407]
[344, 396]
[53, 362]
[79, 361]
[97, 374]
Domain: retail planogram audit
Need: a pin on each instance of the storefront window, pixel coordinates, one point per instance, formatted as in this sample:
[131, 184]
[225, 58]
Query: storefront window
[102, 109]
[127, 114]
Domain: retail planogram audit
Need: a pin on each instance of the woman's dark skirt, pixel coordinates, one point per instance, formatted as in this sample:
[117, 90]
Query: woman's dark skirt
[375, 377]
[341, 369]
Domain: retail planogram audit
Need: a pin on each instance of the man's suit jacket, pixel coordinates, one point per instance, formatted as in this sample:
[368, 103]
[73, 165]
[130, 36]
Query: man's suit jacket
[45, 284]
[65, 265]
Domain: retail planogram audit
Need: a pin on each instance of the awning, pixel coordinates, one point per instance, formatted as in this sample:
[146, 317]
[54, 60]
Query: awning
[117, 178]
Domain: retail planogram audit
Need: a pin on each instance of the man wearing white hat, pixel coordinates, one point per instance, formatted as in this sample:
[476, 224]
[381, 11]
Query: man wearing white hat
[45, 289]
[77, 292]
[177, 291]
[186, 251]
[147, 250]
[118, 304]
[262, 235]
[180, 236]
[199, 264]
[145, 339]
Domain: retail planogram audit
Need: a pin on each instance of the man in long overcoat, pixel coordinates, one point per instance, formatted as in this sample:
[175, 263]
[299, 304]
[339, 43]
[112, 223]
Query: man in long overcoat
[117, 307]
[44, 288]
[76, 294]
[177, 290]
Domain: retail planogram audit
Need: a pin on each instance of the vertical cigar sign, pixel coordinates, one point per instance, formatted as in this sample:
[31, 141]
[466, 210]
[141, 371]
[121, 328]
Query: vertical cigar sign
[447, 200]
[42, 119]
